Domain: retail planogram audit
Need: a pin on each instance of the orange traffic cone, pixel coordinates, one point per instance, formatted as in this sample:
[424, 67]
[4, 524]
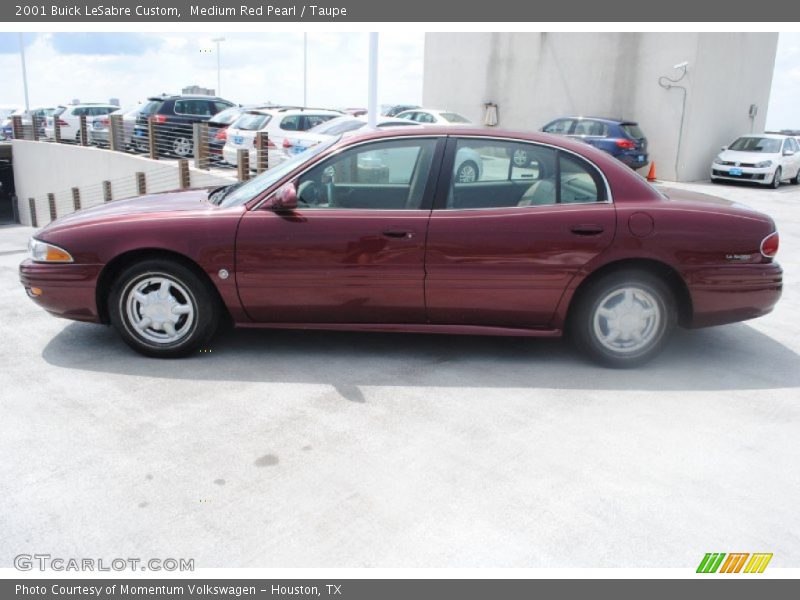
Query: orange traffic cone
[651, 175]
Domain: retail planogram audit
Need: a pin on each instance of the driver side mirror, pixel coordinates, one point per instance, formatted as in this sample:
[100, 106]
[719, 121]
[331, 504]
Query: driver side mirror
[285, 198]
[723, 148]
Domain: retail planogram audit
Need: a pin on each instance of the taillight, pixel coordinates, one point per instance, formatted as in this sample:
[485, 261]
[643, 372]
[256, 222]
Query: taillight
[287, 143]
[769, 245]
[105, 121]
[62, 123]
[159, 118]
[626, 144]
[270, 143]
[222, 134]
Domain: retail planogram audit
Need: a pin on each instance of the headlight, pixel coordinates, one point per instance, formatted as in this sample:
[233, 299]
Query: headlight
[764, 164]
[718, 161]
[44, 252]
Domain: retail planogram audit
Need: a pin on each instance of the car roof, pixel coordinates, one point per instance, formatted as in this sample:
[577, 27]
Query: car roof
[185, 97]
[772, 136]
[271, 110]
[609, 120]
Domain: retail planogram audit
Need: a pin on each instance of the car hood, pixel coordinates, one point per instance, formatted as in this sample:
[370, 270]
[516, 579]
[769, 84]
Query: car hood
[150, 204]
[747, 157]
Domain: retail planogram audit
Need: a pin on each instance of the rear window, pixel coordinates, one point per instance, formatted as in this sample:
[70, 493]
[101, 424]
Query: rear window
[151, 107]
[632, 129]
[226, 117]
[252, 121]
[340, 127]
[59, 111]
[453, 118]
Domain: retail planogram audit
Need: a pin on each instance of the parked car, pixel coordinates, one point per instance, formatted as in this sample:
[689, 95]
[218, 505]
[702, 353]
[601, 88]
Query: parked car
[395, 110]
[174, 118]
[99, 132]
[218, 128]
[622, 139]
[6, 112]
[768, 159]
[278, 123]
[40, 115]
[426, 116]
[371, 232]
[69, 119]
[302, 140]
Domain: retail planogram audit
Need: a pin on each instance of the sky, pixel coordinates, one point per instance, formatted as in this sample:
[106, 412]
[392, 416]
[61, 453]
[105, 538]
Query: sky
[260, 67]
[256, 67]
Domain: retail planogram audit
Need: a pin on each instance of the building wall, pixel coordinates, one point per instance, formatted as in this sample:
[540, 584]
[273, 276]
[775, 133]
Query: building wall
[536, 77]
[42, 168]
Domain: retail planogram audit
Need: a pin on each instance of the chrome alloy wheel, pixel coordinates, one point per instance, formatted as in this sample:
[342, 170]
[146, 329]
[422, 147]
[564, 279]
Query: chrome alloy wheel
[160, 310]
[520, 158]
[182, 146]
[627, 320]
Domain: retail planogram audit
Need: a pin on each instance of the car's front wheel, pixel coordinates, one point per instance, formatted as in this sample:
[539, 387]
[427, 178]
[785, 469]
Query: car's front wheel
[623, 319]
[162, 308]
[776, 179]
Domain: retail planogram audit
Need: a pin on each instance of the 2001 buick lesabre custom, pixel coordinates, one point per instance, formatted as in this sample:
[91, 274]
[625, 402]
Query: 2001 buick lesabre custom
[373, 232]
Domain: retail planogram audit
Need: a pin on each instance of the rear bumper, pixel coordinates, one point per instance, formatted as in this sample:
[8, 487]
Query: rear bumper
[735, 293]
[67, 290]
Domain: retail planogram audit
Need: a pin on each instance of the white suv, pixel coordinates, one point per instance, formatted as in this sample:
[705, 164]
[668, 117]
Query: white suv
[278, 123]
[69, 119]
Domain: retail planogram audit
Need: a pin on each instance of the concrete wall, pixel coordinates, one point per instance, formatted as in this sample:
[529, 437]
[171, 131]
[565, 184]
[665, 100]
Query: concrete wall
[536, 77]
[42, 167]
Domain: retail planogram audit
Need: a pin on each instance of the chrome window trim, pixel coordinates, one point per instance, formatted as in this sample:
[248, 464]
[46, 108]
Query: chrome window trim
[609, 199]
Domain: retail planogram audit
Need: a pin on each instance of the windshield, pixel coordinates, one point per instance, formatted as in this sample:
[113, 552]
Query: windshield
[453, 117]
[267, 179]
[757, 144]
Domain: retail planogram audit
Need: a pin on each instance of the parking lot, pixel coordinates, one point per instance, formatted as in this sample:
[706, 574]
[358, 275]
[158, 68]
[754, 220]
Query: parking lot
[300, 449]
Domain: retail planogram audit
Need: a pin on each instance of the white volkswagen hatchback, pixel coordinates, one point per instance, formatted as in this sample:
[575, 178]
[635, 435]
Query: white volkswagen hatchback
[278, 123]
[765, 158]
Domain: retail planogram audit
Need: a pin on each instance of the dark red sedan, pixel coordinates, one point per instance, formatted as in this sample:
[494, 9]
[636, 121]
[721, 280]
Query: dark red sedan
[374, 233]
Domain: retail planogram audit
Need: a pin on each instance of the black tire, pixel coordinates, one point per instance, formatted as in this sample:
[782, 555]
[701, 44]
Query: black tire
[586, 324]
[715, 180]
[467, 172]
[796, 179]
[776, 180]
[187, 289]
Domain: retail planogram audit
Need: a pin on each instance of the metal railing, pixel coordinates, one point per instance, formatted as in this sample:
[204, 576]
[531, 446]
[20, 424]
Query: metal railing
[200, 142]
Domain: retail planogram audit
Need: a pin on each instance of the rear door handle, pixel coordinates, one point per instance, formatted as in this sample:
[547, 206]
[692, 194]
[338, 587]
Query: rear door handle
[586, 229]
[399, 234]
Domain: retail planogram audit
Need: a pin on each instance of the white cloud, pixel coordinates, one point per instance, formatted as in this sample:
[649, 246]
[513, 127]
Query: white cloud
[255, 67]
[782, 112]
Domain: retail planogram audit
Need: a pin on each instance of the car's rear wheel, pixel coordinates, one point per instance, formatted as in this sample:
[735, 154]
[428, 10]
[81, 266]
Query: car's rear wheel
[623, 319]
[162, 308]
[182, 146]
[776, 180]
[467, 172]
[520, 158]
[796, 178]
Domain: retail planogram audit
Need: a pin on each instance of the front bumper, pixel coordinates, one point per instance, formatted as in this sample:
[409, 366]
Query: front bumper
[66, 290]
[763, 175]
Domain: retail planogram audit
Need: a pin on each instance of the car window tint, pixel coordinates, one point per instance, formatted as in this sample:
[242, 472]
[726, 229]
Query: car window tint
[218, 106]
[151, 107]
[314, 120]
[292, 123]
[251, 121]
[579, 182]
[197, 108]
[757, 144]
[792, 145]
[562, 126]
[451, 117]
[409, 116]
[591, 128]
[499, 173]
[425, 118]
[632, 129]
[380, 175]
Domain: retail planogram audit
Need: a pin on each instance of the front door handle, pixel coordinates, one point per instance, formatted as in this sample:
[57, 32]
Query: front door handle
[399, 234]
[586, 229]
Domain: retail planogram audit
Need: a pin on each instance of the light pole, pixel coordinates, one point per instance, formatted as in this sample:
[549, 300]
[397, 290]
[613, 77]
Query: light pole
[372, 106]
[305, 68]
[217, 41]
[24, 70]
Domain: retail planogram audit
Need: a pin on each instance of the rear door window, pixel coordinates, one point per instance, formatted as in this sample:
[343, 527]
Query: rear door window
[292, 123]
[314, 120]
[589, 128]
[193, 107]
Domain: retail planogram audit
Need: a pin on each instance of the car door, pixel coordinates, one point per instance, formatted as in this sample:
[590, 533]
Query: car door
[502, 249]
[790, 158]
[353, 251]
